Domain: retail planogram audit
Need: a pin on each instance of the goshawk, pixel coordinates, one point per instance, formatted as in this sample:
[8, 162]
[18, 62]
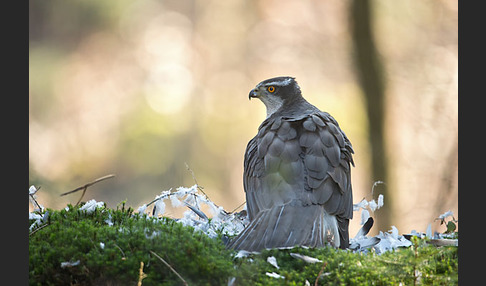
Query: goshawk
[297, 174]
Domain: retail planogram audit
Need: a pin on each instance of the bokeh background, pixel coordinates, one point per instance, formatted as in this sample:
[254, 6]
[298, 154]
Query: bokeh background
[139, 89]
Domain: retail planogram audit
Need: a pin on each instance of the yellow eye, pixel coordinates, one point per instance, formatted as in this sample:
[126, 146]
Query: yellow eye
[271, 89]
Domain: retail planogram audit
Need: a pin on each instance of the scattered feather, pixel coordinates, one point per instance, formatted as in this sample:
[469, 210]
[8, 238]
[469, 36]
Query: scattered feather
[373, 205]
[394, 232]
[141, 209]
[391, 240]
[363, 243]
[198, 212]
[37, 220]
[214, 209]
[32, 190]
[444, 242]
[243, 253]
[306, 258]
[274, 275]
[380, 201]
[108, 221]
[159, 208]
[32, 198]
[365, 215]
[175, 202]
[35, 216]
[428, 232]
[70, 264]
[445, 215]
[273, 261]
[361, 205]
[91, 205]
[231, 224]
[363, 231]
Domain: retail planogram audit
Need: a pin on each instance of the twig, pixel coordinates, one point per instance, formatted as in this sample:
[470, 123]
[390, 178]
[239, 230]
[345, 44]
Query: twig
[32, 196]
[242, 204]
[195, 181]
[88, 184]
[170, 267]
[35, 201]
[85, 187]
[320, 273]
[121, 250]
[192, 173]
[161, 197]
[37, 229]
[141, 275]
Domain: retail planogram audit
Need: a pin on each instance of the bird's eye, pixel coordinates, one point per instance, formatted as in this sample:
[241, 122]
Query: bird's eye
[271, 89]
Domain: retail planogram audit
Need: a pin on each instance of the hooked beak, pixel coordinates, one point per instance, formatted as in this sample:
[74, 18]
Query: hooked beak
[253, 93]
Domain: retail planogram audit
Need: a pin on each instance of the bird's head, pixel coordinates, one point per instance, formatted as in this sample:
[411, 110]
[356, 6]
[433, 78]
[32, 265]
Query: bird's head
[276, 92]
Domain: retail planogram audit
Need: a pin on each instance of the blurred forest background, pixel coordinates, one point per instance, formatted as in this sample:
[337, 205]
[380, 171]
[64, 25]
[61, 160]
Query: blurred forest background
[140, 88]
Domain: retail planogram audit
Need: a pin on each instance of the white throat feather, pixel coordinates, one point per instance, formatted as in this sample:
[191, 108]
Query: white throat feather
[272, 104]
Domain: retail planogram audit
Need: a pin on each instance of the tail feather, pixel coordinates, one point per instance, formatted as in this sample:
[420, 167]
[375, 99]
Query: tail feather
[287, 226]
[343, 224]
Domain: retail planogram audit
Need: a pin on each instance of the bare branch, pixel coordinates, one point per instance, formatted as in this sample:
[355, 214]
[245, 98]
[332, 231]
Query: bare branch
[88, 184]
[37, 229]
[85, 187]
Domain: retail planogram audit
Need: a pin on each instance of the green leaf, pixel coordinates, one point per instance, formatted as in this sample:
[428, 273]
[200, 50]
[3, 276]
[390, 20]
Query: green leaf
[451, 227]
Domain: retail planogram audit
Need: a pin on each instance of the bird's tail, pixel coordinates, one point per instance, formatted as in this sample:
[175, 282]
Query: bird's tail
[288, 226]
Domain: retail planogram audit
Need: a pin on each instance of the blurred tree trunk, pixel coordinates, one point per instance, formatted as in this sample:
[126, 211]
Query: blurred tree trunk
[370, 73]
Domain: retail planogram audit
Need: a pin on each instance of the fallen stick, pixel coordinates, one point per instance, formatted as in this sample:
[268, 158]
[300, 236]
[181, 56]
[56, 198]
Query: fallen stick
[85, 187]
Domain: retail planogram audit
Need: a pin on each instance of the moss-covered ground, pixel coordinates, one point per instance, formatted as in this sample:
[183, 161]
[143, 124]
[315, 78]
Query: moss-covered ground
[107, 247]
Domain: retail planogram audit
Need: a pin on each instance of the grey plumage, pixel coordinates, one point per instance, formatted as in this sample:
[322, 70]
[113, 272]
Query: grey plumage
[296, 174]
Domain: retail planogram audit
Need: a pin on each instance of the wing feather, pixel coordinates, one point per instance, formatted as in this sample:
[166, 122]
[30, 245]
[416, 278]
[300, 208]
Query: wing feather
[326, 164]
[304, 161]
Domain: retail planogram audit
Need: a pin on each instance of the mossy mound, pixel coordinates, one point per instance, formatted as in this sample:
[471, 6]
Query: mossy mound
[106, 247]
[423, 265]
[110, 244]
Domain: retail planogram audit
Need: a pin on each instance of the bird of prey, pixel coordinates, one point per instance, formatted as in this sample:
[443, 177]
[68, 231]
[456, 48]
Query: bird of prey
[297, 174]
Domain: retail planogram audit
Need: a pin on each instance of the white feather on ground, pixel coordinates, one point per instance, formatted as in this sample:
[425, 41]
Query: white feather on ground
[231, 224]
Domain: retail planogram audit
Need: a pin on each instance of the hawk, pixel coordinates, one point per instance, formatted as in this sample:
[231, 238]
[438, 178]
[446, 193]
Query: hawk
[297, 174]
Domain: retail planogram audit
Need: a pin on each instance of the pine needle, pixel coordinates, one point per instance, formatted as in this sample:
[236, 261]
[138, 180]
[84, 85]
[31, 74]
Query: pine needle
[170, 267]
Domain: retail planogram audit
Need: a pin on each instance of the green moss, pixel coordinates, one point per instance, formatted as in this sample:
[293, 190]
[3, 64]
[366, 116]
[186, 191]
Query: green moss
[127, 238]
[428, 265]
[75, 235]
